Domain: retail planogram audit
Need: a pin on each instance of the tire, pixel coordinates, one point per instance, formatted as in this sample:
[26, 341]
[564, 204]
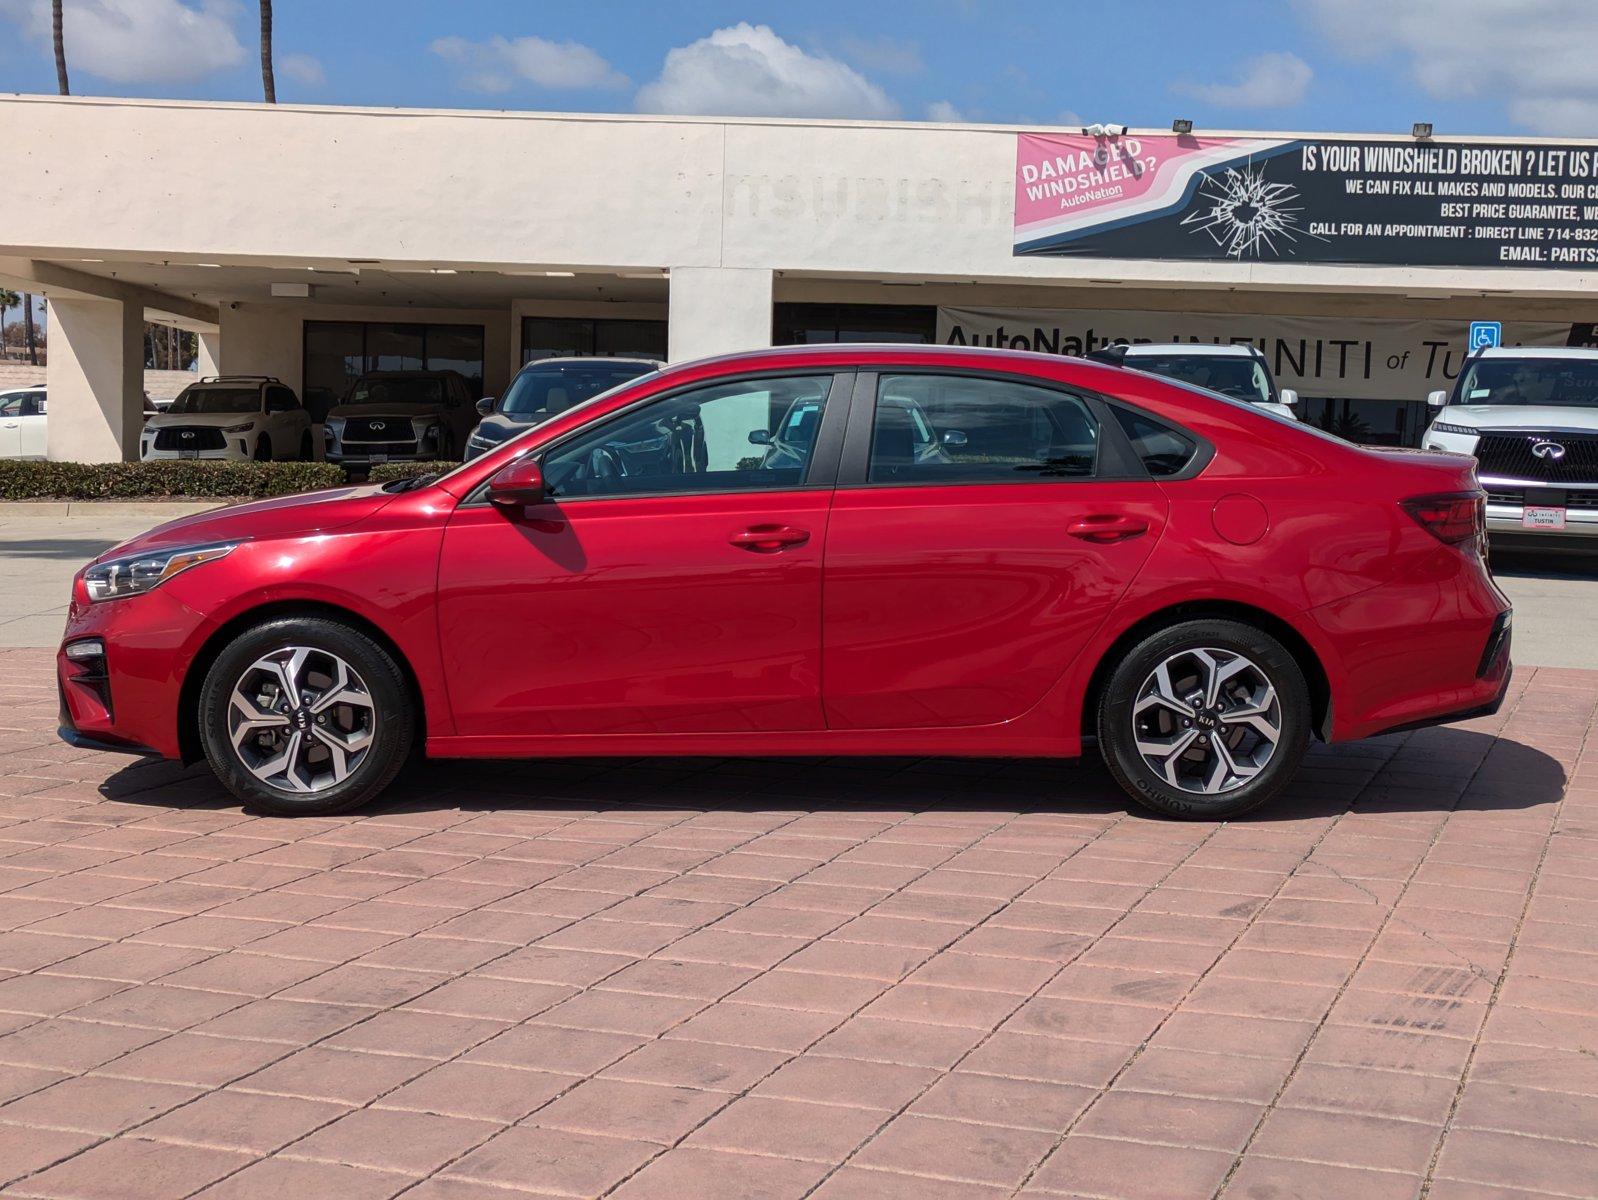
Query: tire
[376, 728]
[1214, 776]
[263, 449]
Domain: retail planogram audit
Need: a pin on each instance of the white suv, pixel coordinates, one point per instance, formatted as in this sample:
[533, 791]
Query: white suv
[230, 416]
[1530, 416]
[22, 418]
[1238, 370]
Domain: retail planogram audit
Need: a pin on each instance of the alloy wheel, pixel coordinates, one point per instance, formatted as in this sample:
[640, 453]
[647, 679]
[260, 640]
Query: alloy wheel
[1207, 720]
[301, 719]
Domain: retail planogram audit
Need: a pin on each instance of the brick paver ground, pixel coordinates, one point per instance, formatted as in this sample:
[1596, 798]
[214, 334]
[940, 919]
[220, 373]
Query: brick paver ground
[886, 979]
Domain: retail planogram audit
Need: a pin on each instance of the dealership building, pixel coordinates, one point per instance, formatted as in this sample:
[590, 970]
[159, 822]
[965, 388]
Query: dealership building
[312, 243]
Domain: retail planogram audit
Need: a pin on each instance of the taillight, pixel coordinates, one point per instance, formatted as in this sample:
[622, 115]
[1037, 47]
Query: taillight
[1451, 517]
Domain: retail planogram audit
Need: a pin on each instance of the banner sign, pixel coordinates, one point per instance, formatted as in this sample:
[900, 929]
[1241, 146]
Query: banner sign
[1339, 357]
[1389, 202]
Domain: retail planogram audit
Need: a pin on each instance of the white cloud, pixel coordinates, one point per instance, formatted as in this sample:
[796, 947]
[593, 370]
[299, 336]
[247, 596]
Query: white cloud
[1070, 116]
[883, 54]
[1274, 80]
[138, 41]
[303, 69]
[748, 71]
[500, 64]
[942, 110]
[1534, 57]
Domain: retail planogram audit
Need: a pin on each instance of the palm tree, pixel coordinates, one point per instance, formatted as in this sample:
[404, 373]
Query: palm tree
[27, 324]
[60, 49]
[8, 299]
[268, 84]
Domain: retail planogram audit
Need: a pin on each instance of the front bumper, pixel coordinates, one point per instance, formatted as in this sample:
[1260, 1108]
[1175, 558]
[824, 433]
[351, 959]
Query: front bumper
[235, 450]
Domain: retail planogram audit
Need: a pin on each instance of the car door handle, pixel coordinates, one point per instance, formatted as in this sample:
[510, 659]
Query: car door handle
[768, 539]
[1104, 528]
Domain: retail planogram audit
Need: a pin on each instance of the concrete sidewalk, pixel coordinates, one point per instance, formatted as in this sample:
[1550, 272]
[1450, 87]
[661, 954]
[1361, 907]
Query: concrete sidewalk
[43, 544]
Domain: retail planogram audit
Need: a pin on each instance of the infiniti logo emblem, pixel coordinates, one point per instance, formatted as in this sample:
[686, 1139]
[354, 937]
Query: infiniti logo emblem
[378, 426]
[187, 434]
[1551, 451]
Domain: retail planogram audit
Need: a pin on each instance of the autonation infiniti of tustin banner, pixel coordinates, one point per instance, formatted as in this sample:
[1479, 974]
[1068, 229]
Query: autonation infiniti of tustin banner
[1386, 202]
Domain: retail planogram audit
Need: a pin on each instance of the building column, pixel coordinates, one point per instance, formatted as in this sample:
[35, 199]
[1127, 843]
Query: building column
[718, 310]
[209, 359]
[95, 379]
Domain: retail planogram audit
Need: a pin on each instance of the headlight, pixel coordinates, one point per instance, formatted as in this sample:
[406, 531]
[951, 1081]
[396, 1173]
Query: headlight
[244, 428]
[480, 442]
[130, 576]
[1444, 427]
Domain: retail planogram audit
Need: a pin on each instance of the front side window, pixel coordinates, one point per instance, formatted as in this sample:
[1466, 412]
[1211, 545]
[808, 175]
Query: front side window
[210, 401]
[711, 439]
[963, 429]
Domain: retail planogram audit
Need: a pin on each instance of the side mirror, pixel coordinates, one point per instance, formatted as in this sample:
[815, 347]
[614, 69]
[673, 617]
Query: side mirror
[519, 484]
[1288, 397]
[953, 437]
[760, 437]
[1437, 399]
[485, 406]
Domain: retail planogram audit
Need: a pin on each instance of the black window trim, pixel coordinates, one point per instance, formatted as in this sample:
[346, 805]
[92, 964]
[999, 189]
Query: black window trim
[1117, 461]
[823, 470]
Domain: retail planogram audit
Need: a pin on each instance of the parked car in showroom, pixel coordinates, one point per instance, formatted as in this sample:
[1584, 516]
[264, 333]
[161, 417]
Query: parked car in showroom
[546, 388]
[1239, 370]
[230, 416]
[1196, 583]
[22, 422]
[394, 416]
[1530, 418]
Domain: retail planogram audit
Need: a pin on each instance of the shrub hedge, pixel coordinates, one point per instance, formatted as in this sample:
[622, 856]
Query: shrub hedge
[198, 479]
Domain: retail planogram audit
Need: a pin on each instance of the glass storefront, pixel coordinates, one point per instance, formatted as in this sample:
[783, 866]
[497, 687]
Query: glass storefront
[583, 337]
[806, 324]
[337, 353]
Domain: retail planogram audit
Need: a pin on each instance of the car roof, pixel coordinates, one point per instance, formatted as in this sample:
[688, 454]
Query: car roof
[589, 360]
[1195, 349]
[1581, 352]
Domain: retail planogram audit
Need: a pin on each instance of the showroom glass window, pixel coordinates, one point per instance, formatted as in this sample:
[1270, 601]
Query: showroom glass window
[337, 353]
[966, 429]
[718, 438]
[583, 337]
[811, 324]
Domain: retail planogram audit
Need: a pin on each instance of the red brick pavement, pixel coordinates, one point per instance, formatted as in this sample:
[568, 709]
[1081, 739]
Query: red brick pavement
[779, 979]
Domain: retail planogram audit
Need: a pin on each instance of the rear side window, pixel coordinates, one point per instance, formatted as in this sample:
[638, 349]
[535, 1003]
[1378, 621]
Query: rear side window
[964, 429]
[1164, 450]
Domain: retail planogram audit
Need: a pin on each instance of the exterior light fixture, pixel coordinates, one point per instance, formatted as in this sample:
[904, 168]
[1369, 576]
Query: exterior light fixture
[1421, 129]
[1181, 125]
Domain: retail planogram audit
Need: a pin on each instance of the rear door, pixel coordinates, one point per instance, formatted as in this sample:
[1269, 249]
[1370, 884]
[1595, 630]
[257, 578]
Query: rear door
[982, 529]
[32, 431]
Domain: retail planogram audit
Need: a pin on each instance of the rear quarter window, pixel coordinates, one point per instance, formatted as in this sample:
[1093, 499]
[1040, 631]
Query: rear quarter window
[1163, 450]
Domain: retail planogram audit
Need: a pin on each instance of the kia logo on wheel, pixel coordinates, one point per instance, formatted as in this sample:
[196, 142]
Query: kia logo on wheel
[1551, 451]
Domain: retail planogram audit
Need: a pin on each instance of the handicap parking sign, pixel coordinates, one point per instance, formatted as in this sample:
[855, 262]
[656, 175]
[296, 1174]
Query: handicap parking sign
[1484, 335]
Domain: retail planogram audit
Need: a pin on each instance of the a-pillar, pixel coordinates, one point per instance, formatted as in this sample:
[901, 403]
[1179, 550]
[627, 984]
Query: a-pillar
[95, 379]
[718, 310]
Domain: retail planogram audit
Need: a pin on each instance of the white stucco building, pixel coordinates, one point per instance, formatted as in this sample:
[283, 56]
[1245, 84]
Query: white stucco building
[309, 242]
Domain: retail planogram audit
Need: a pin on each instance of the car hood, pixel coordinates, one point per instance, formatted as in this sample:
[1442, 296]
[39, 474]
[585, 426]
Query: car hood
[385, 410]
[283, 516]
[166, 420]
[1520, 416]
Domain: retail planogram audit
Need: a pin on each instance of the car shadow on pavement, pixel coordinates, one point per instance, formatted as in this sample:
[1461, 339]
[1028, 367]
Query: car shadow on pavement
[1431, 770]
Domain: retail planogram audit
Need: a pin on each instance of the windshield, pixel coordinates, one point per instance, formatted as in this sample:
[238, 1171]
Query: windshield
[545, 391]
[396, 391]
[1240, 378]
[1568, 382]
[194, 402]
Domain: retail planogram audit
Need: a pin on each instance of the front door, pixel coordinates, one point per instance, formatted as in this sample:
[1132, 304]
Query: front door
[672, 583]
[980, 533]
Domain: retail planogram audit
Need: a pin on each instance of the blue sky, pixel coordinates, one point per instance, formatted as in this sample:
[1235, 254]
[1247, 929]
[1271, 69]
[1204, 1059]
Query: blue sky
[1469, 66]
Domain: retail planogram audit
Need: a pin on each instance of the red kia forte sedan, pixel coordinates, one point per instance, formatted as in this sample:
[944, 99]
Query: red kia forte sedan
[826, 550]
